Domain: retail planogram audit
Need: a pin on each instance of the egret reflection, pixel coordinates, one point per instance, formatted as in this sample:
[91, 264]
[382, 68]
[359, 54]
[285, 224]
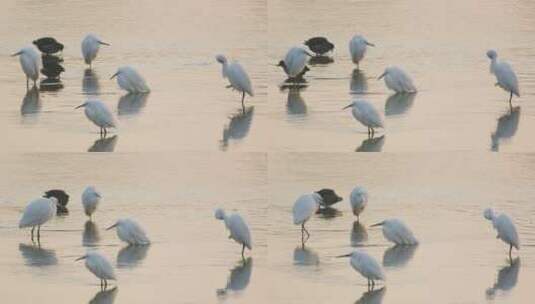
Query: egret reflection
[399, 103]
[359, 83]
[90, 83]
[398, 256]
[104, 144]
[90, 236]
[296, 104]
[31, 103]
[372, 297]
[105, 296]
[36, 256]
[305, 257]
[507, 278]
[238, 126]
[506, 128]
[359, 234]
[131, 256]
[239, 277]
[132, 103]
[374, 144]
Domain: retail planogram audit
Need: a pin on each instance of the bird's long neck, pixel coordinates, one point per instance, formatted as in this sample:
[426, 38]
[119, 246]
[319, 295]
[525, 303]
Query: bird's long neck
[493, 63]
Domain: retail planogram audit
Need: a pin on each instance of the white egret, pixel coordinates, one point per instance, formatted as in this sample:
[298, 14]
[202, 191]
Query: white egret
[30, 63]
[505, 75]
[397, 232]
[304, 208]
[90, 200]
[505, 227]
[131, 232]
[367, 266]
[99, 114]
[365, 113]
[239, 231]
[294, 64]
[239, 80]
[90, 47]
[398, 80]
[357, 48]
[99, 266]
[358, 199]
[37, 213]
[130, 80]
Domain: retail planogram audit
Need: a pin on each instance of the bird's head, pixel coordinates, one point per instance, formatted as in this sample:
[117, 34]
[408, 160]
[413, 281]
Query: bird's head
[328, 197]
[386, 72]
[378, 224]
[489, 214]
[21, 51]
[281, 64]
[492, 54]
[81, 258]
[221, 59]
[82, 105]
[349, 105]
[348, 255]
[220, 214]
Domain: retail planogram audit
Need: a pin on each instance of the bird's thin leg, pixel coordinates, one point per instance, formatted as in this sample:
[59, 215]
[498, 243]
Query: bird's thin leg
[105, 132]
[27, 83]
[373, 284]
[306, 231]
[105, 284]
[510, 103]
[242, 250]
[33, 228]
[373, 132]
[242, 103]
[510, 249]
[38, 233]
[369, 284]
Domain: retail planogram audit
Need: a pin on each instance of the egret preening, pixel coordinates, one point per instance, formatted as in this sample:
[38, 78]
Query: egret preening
[239, 80]
[365, 113]
[37, 213]
[505, 227]
[357, 48]
[239, 231]
[358, 199]
[99, 114]
[90, 46]
[319, 45]
[90, 200]
[304, 208]
[99, 266]
[367, 266]
[48, 45]
[131, 232]
[30, 63]
[397, 232]
[505, 75]
[130, 80]
[294, 64]
[398, 80]
[63, 200]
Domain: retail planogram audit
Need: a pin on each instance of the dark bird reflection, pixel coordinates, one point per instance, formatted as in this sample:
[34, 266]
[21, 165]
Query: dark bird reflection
[329, 212]
[296, 104]
[359, 83]
[315, 60]
[104, 144]
[506, 128]
[90, 84]
[131, 256]
[90, 236]
[372, 297]
[238, 126]
[398, 256]
[239, 277]
[50, 85]
[31, 103]
[36, 256]
[358, 234]
[305, 257]
[507, 278]
[374, 144]
[131, 103]
[398, 104]
[105, 296]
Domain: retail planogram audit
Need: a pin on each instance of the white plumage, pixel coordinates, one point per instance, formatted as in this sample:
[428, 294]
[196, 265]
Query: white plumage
[90, 46]
[398, 80]
[358, 200]
[367, 266]
[99, 266]
[131, 232]
[90, 200]
[37, 213]
[304, 208]
[357, 48]
[98, 113]
[239, 231]
[365, 113]
[239, 80]
[30, 63]
[397, 232]
[130, 80]
[505, 227]
[295, 61]
[505, 75]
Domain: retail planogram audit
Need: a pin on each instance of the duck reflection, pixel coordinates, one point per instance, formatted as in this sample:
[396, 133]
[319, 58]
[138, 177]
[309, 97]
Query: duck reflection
[374, 144]
[239, 277]
[104, 144]
[296, 104]
[131, 256]
[90, 84]
[399, 103]
[507, 278]
[359, 83]
[372, 296]
[328, 212]
[398, 256]
[36, 256]
[506, 128]
[50, 85]
[90, 236]
[131, 103]
[318, 60]
[359, 234]
[238, 126]
[105, 296]
[305, 257]
[31, 103]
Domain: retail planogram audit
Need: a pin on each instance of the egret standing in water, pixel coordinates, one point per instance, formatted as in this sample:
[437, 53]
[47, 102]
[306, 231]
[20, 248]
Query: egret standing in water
[357, 48]
[90, 46]
[131, 232]
[365, 113]
[358, 200]
[304, 208]
[239, 231]
[505, 227]
[239, 80]
[367, 266]
[294, 64]
[99, 266]
[97, 112]
[90, 200]
[505, 75]
[37, 213]
[30, 63]
[397, 232]
[130, 80]
[398, 80]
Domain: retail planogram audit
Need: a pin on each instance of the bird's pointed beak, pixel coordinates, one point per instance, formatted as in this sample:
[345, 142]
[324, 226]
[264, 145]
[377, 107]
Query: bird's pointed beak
[344, 255]
[382, 75]
[80, 258]
[308, 54]
[103, 43]
[113, 76]
[16, 54]
[378, 224]
[112, 226]
[80, 106]
[348, 106]
[370, 44]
